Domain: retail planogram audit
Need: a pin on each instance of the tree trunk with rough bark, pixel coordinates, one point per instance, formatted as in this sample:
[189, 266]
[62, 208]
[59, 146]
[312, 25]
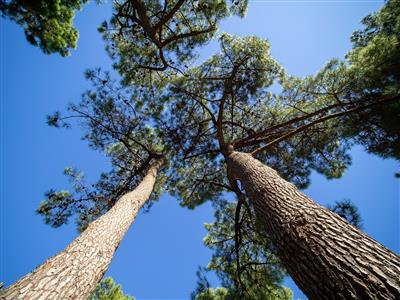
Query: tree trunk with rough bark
[75, 272]
[327, 257]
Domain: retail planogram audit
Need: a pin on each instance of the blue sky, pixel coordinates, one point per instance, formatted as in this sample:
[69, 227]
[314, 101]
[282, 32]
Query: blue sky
[160, 253]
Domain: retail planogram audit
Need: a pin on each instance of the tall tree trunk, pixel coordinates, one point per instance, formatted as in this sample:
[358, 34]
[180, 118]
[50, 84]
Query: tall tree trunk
[327, 257]
[75, 272]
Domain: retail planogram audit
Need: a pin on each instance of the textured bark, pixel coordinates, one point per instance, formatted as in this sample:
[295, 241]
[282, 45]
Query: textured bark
[327, 257]
[75, 272]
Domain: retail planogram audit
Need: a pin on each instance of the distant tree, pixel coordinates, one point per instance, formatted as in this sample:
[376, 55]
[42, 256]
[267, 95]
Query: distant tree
[47, 23]
[250, 271]
[108, 290]
[348, 211]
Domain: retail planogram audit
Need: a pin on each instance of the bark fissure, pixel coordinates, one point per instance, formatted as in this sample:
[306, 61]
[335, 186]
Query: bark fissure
[327, 257]
[75, 272]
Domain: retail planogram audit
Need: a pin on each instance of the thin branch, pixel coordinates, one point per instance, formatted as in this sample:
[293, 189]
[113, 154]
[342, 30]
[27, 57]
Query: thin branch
[185, 35]
[227, 187]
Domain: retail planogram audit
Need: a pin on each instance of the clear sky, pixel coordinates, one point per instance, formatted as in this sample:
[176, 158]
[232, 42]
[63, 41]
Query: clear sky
[160, 253]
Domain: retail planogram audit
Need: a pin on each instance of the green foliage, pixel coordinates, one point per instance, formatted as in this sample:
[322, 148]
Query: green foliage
[228, 99]
[108, 290]
[188, 121]
[119, 130]
[213, 294]
[323, 146]
[376, 51]
[248, 270]
[47, 23]
[56, 207]
[348, 211]
[375, 59]
[154, 39]
[241, 75]
[221, 293]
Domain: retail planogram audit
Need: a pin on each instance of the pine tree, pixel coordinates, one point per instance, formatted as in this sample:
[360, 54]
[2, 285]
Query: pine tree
[219, 123]
[75, 271]
[105, 210]
[325, 256]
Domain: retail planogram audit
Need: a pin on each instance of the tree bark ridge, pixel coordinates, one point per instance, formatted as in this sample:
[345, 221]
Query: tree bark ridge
[327, 257]
[75, 272]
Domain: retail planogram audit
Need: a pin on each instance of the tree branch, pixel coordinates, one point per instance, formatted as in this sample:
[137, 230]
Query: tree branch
[169, 15]
[320, 120]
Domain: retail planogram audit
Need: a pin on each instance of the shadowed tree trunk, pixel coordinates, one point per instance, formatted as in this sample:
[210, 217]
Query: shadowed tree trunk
[75, 272]
[327, 257]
